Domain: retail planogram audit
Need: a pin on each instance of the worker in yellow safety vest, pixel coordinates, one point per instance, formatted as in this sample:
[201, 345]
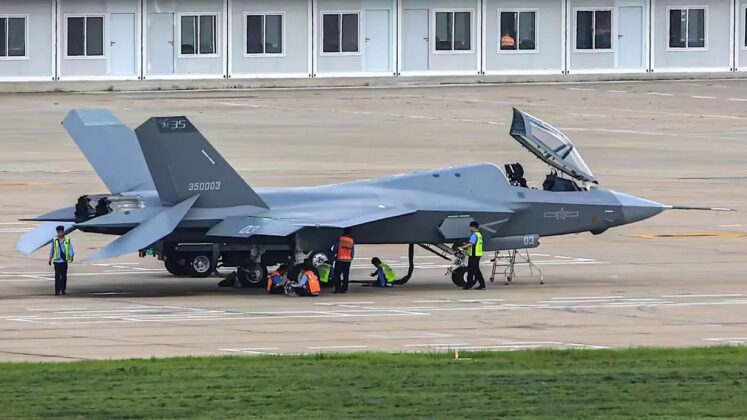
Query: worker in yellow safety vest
[474, 253]
[384, 274]
[276, 280]
[61, 253]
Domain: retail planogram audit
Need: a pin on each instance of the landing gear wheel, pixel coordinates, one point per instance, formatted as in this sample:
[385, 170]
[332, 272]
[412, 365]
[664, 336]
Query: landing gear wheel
[318, 258]
[200, 265]
[252, 275]
[459, 277]
[176, 265]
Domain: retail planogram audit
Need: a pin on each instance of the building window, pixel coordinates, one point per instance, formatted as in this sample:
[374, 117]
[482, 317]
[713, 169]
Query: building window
[12, 37]
[454, 31]
[517, 30]
[687, 28]
[594, 30]
[340, 32]
[85, 36]
[198, 34]
[264, 33]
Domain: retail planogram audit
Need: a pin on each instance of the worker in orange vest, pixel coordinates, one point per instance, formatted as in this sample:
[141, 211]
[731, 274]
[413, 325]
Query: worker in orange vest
[308, 284]
[344, 251]
[276, 281]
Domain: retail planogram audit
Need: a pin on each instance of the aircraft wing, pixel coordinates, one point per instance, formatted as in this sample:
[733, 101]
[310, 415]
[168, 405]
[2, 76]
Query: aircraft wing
[245, 227]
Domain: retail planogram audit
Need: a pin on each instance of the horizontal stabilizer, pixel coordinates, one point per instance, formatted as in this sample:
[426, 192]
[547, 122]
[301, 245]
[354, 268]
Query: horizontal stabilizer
[184, 163]
[244, 227]
[147, 232]
[111, 148]
[66, 214]
[123, 219]
[41, 236]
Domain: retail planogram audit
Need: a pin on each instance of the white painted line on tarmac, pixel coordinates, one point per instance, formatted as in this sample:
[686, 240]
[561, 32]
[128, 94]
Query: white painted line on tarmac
[659, 94]
[368, 302]
[335, 347]
[581, 89]
[729, 225]
[703, 97]
[737, 99]
[704, 296]
[588, 297]
[431, 301]
[617, 91]
[738, 340]
[258, 350]
[53, 309]
[437, 345]
[480, 300]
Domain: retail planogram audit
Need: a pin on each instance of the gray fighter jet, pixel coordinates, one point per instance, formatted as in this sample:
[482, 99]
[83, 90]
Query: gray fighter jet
[173, 195]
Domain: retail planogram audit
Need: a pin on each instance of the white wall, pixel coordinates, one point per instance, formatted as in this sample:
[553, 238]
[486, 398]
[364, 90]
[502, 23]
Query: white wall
[195, 66]
[39, 60]
[77, 67]
[296, 36]
[741, 43]
[548, 56]
[441, 61]
[331, 63]
[715, 56]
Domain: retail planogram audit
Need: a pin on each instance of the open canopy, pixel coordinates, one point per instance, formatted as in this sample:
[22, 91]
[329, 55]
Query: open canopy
[550, 145]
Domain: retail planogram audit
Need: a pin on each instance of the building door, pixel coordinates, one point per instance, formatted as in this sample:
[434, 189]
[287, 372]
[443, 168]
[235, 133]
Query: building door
[415, 53]
[630, 37]
[377, 40]
[161, 43]
[122, 44]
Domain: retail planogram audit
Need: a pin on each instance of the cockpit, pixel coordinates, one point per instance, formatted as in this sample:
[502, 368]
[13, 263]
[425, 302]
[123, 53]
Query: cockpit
[568, 171]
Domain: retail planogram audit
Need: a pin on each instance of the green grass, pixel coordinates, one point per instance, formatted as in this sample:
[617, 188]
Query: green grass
[661, 383]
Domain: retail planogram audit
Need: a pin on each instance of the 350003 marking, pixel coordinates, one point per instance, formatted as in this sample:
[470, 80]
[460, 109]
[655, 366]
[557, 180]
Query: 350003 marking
[204, 186]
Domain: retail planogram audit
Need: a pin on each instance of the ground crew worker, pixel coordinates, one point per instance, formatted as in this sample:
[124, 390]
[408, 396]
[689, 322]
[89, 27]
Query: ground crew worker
[474, 253]
[308, 284]
[275, 281]
[344, 251]
[61, 253]
[384, 274]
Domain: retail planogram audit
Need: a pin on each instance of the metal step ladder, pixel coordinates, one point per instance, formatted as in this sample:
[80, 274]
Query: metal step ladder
[507, 262]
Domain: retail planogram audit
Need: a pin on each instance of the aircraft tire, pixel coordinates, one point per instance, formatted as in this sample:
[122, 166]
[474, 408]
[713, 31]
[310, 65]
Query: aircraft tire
[176, 265]
[252, 275]
[200, 265]
[459, 277]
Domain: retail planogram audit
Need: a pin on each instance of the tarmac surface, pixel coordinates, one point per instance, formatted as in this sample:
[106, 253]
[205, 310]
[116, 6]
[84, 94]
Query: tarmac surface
[679, 279]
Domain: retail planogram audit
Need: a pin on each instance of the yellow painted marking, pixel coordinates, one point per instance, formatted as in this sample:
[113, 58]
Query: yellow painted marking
[689, 235]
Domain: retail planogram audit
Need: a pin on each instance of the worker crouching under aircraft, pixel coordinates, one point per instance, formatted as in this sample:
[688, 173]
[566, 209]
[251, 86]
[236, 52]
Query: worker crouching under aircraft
[384, 274]
[276, 280]
[308, 283]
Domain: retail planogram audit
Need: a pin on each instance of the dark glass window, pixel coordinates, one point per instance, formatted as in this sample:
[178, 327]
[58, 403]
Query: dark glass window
[76, 36]
[594, 30]
[340, 32]
[687, 28]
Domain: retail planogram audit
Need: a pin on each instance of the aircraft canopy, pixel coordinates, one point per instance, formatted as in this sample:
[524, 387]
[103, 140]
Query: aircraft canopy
[550, 145]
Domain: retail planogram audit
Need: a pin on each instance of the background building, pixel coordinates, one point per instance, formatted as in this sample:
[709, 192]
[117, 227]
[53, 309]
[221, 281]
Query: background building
[44, 40]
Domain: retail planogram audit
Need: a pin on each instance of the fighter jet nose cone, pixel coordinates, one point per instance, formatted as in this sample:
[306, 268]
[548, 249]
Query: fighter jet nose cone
[635, 208]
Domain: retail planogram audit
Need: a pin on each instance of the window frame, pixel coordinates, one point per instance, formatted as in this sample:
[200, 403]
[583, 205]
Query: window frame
[26, 44]
[453, 29]
[705, 28]
[218, 45]
[744, 28]
[105, 36]
[264, 33]
[613, 31]
[536, 30]
[340, 53]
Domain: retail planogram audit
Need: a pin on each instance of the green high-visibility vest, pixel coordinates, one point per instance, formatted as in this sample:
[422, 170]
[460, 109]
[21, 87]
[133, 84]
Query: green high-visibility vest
[476, 249]
[388, 273]
[56, 248]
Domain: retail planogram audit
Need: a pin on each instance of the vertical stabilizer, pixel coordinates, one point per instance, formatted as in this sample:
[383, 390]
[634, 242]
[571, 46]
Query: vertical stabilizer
[183, 163]
[111, 148]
